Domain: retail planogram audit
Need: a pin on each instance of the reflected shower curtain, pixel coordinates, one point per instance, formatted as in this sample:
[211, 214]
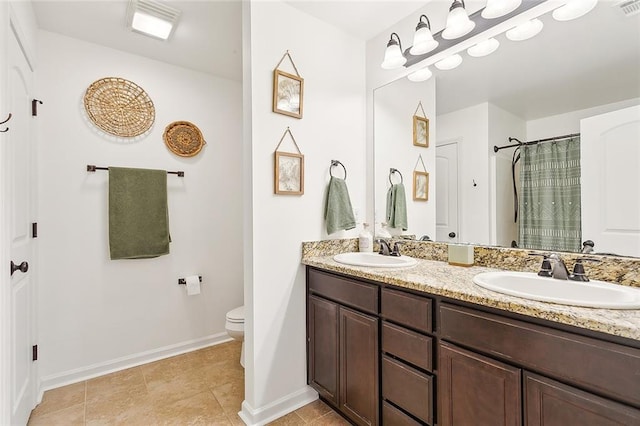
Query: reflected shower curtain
[550, 196]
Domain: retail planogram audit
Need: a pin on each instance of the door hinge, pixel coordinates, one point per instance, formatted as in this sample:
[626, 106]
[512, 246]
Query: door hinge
[35, 353]
[34, 230]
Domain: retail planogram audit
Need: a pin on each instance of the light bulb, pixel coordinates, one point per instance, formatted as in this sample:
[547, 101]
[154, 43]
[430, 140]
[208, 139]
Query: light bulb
[483, 48]
[525, 30]
[449, 63]
[458, 22]
[573, 9]
[498, 8]
[420, 75]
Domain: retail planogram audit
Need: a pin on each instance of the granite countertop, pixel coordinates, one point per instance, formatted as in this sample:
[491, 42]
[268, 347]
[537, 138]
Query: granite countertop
[455, 282]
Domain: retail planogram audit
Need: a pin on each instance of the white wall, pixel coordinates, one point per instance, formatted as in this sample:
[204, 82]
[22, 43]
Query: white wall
[96, 314]
[332, 64]
[468, 127]
[567, 123]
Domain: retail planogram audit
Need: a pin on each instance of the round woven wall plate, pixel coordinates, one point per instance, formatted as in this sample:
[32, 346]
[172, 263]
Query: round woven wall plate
[183, 138]
[119, 107]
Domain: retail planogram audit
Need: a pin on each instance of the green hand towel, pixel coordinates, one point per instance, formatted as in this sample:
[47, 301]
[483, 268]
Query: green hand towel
[397, 207]
[338, 211]
[138, 213]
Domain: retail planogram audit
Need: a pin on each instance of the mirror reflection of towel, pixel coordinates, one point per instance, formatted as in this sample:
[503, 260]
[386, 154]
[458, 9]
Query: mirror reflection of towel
[338, 211]
[397, 207]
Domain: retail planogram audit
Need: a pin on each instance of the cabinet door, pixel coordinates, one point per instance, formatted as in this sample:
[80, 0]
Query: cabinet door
[476, 390]
[359, 395]
[323, 347]
[550, 403]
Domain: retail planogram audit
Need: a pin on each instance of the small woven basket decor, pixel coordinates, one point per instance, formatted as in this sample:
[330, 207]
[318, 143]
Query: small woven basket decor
[119, 107]
[183, 138]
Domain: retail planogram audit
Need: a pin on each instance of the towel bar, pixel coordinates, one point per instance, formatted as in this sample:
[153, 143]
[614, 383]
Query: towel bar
[335, 163]
[392, 171]
[92, 168]
[183, 281]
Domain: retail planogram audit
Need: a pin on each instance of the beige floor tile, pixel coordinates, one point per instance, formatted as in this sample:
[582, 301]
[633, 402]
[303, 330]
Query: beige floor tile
[291, 419]
[70, 416]
[312, 411]
[222, 373]
[200, 409]
[184, 385]
[230, 396]
[116, 385]
[330, 419]
[61, 398]
[235, 419]
[131, 410]
[220, 353]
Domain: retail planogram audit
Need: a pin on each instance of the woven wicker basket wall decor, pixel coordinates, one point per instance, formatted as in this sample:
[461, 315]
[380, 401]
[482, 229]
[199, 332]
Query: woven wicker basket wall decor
[183, 138]
[119, 107]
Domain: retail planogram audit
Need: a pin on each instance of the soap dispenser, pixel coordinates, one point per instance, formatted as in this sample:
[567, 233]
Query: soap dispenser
[365, 239]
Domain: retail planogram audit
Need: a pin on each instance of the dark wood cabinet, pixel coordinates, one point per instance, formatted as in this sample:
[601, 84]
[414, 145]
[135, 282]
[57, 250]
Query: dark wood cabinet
[343, 346]
[477, 390]
[380, 354]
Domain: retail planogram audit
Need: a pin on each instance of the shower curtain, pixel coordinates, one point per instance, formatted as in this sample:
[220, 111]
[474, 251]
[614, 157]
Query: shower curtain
[550, 196]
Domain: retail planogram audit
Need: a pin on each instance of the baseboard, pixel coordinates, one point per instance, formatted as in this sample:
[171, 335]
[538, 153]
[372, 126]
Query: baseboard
[263, 415]
[84, 373]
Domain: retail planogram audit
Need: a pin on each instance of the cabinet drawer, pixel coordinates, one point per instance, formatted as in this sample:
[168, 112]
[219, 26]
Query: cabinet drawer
[343, 290]
[407, 309]
[408, 388]
[602, 367]
[407, 345]
[394, 417]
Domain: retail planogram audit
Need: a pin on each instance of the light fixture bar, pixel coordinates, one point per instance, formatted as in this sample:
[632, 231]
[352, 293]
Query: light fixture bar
[482, 25]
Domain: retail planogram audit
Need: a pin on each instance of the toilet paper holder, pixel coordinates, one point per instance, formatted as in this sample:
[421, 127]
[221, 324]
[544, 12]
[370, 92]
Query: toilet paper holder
[183, 281]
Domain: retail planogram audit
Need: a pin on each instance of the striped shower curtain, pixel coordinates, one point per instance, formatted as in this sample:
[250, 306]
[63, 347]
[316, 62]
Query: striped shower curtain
[550, 196]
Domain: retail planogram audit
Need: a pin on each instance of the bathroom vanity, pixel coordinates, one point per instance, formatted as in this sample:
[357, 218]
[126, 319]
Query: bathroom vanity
[424, 346]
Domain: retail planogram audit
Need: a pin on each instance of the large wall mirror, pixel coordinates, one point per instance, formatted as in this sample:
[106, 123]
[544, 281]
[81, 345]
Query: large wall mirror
[576, 77]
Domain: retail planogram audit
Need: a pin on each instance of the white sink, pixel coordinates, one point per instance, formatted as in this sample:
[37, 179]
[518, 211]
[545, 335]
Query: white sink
[375, 260]
[593, 294]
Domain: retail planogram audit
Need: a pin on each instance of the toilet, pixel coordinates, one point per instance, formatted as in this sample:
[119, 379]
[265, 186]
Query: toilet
[235, 327]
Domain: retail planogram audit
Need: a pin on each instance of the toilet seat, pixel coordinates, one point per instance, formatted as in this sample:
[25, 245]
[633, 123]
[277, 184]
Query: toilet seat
[236, 315]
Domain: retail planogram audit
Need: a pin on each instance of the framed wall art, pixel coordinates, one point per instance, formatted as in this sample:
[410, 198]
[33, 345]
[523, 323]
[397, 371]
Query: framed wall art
[420, 182]
[288, 170]
[288, 91]
[420, 128]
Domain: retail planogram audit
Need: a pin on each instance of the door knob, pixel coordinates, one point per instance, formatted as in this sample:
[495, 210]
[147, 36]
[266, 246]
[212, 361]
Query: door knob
[23, 267]
[452, 234]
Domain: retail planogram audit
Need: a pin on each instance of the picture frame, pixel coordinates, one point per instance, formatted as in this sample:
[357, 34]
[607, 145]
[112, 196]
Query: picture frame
[288, 93]
[288, 176]
[420, 186]
[420, 131]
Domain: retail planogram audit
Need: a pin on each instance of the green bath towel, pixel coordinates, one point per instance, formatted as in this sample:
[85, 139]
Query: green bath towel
[338, 211]
[397, 207]
[138, 213]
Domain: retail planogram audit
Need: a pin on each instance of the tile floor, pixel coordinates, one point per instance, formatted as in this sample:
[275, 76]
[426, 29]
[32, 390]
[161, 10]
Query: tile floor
[204, 387]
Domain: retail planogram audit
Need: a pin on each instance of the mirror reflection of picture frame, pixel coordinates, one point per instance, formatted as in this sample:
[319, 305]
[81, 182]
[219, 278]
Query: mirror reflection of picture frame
[288, 91]
[420, 186]
[288, 173]
[420, 131]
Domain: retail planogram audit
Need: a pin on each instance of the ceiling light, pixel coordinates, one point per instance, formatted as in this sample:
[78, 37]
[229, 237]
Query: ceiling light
[449, 63]
[498, 8]
[152, 18]
[573, 9]
[458, 22]
[423, 41]
[483, 48]
[393, 57]
[420, 75]
[525, 30]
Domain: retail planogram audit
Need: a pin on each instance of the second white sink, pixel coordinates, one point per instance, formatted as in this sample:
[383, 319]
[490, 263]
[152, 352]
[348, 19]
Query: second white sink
[593, 294]
[374, 260]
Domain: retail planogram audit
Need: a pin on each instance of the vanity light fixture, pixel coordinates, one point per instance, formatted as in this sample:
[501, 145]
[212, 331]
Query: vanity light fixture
[393, 57]
[152, 18]
[483, 48]
[573, 9]
[458, 22]
[449, 63]
[525, 31]
[423, 41]
[420, 75]
[497, 8]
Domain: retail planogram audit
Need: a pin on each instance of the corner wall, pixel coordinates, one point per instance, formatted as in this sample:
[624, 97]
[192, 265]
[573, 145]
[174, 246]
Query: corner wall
[96, 315]
[333, 127]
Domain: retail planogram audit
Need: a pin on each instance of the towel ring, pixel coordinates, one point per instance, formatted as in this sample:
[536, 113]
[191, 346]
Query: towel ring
[335, 163]
[392, 171]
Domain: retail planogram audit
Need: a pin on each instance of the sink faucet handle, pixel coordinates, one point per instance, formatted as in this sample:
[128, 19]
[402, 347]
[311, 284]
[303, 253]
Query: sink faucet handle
[396, 248]
[545, 268]
[579, 273]
[385, 249]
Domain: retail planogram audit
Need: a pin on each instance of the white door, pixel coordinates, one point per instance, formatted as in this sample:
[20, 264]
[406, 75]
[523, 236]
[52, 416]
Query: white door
[447, 193]
[17, 207]
[610, 163]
